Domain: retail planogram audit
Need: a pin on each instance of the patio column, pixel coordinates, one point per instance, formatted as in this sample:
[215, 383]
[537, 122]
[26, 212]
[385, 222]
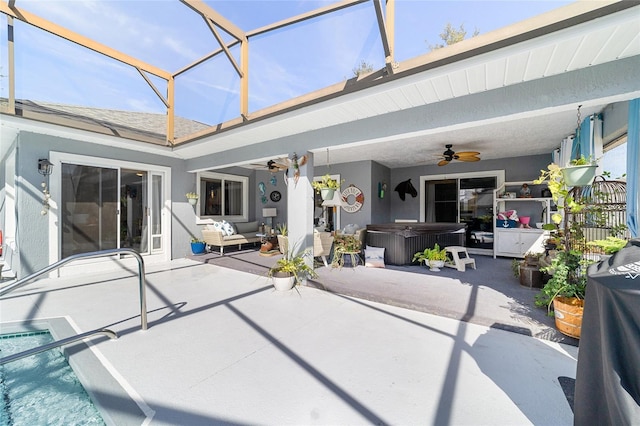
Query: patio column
[300, 206]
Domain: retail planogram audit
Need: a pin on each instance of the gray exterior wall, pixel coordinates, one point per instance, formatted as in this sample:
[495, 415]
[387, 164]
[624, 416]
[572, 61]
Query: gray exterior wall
[32, 227]
[516, 169]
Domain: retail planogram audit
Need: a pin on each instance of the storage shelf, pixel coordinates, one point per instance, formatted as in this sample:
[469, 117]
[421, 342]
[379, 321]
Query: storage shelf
[515, 242]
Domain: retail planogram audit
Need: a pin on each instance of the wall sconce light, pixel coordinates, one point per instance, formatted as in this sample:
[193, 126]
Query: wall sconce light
[45, 167]
[382, 187]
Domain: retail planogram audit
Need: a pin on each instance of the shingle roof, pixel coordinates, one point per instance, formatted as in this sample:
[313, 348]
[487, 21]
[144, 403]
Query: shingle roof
[149, 126]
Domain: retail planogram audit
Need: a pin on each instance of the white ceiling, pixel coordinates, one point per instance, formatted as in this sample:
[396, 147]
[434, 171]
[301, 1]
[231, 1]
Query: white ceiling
[509, 111]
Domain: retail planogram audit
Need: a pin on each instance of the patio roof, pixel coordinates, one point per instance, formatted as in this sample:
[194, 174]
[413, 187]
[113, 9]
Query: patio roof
[520, 84]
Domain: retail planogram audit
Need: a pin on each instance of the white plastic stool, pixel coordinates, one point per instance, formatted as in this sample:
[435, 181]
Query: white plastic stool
[460, 258]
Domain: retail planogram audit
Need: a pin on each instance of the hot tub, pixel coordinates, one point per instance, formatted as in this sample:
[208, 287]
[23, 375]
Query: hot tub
[402, 240]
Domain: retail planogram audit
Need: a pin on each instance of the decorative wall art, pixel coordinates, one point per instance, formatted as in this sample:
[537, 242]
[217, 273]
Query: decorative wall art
[352, 199]
[263, 192]
[275, 196]
[404, 188]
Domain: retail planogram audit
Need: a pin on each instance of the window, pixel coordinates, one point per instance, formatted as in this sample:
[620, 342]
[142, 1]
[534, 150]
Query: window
[223, 195]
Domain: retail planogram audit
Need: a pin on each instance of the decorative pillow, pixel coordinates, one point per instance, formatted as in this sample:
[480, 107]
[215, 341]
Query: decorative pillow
[374, 257]
[217, 226]
[228, 228]
[350, 229]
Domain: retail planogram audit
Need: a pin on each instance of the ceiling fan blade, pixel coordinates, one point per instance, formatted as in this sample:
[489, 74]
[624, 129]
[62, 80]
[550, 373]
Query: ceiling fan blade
[469, 159]
[443, 162]
[467, 153]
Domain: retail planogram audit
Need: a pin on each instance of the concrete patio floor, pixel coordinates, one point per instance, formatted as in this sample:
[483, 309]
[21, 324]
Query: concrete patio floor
[223, 347]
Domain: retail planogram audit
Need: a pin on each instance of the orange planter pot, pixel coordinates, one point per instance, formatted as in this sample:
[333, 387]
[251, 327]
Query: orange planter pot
[568, 312]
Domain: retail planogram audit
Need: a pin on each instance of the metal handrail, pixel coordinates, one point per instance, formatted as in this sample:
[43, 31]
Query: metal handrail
[90, 255]
[57, 343]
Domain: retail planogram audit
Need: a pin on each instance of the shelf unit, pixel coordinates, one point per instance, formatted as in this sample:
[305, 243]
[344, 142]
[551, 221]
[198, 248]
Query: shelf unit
[515, 242]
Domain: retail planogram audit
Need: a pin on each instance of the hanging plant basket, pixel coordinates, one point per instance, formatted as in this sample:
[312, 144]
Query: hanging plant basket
[192, 201]
[579, 175]
[327, 193]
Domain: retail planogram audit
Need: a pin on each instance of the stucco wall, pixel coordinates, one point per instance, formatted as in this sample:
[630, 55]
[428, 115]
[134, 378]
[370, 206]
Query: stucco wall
[516, 169]
[32, 226]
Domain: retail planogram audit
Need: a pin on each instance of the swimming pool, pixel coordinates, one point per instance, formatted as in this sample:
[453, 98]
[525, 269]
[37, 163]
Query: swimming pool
[43, 387]
[112, 403]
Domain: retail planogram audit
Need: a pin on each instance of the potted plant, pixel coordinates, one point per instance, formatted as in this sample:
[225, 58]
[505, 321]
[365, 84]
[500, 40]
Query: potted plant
[580, 172]
[610, 245]
[565, 289]
[433, 257]
[197, 245]
[290, 270]
[192, 198]
[529, 273]
[326, 186]
[283, 240]
[345, 244]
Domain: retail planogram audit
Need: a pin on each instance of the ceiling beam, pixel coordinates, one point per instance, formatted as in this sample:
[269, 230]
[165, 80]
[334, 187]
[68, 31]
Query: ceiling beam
[303, 17]
[388, 56]
[207, 12]
[213, 29]
[83, 41]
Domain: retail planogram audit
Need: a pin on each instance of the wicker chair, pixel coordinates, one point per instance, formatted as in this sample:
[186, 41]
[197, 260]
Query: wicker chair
[322, 242]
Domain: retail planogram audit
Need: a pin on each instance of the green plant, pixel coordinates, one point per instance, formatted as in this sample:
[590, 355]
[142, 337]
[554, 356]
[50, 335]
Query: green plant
[282, 229]
[568, 278]
[326, 182]
[346, 244]
[192, 195]
[195, 239]
[293, 263]
[515, 267]
[582, 161]
[610, 245]
[435, 253]
[560, 192]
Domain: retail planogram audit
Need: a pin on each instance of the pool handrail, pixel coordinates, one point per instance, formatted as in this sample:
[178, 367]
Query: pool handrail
[89, 255]
[102, 332]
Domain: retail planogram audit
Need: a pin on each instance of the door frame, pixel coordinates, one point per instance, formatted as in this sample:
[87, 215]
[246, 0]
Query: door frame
[55, 186]
[498, 174]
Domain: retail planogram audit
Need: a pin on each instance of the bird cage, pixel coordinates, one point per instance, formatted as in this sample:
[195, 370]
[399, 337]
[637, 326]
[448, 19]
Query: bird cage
[604, 214]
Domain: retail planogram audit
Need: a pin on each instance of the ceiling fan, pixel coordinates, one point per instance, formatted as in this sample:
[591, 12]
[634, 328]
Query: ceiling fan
[449, 155]
[274, 166]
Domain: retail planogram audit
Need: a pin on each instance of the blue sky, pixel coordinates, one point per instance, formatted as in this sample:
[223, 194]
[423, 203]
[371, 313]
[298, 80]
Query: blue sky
[283, 64]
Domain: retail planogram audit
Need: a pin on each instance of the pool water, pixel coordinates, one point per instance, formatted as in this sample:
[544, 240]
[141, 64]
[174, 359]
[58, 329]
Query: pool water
[42, 388]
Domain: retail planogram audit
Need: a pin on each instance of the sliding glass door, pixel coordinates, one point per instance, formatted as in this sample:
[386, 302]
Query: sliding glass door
[463, 198]
[110, 207]
[88, 209]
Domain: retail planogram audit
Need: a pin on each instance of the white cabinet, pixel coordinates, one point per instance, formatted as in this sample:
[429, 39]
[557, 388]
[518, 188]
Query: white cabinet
[515, 242]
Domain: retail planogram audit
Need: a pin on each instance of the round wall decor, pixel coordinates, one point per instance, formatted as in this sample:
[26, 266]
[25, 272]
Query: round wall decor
[275, 196]
[352, 198]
